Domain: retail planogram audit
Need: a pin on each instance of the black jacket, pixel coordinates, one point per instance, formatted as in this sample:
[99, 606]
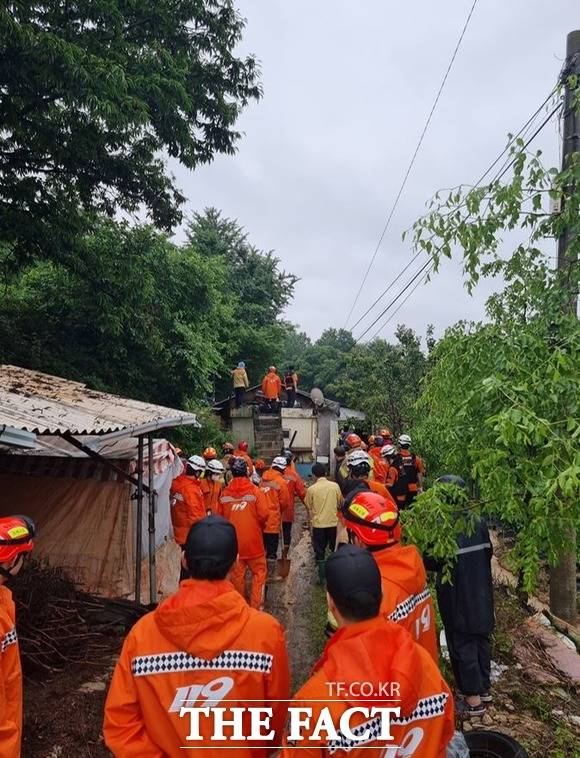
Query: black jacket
[466, 604]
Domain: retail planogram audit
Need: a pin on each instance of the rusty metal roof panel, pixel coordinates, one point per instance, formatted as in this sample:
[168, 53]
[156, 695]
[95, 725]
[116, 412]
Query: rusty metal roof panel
[44, 404]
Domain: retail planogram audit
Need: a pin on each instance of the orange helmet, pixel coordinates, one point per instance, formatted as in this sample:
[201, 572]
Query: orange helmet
[385, 433]
[243, 446]
[16, 535]
[260, 464]
[209, 453]
[353, 440]
[373, 519]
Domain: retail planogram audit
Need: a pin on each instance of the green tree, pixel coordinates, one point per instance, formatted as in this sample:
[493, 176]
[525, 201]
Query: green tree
[258, 291]
[133, 315]
[500, 402]
[94, 94]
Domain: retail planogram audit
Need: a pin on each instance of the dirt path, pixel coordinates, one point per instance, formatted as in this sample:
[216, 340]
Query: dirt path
[300, 604]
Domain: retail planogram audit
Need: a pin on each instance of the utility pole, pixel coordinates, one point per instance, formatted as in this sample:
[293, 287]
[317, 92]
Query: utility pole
[563, 576]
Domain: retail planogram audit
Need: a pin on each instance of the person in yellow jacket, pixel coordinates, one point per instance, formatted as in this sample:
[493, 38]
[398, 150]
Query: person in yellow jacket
[16, 535]
[241, 383]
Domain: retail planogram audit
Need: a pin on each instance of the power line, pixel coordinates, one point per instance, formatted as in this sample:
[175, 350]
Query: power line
[498, 176]
[503, 169]
[412, 161]
[398, 308]
[394, 300]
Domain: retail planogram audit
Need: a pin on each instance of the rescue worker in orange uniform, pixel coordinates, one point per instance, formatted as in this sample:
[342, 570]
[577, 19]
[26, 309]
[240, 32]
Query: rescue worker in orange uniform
[16, 539]
[242, 452]
[186, 501]
[354, 446]
[209, 454]
[387, 436]
[380, 467]
[246, 507]
[373, 523]
[272, 387]
[372, 650]
[296, 488]
[390, 456]
[202, 645]
[359, 470]
[274, 486]
[212, 484]
[411, 470]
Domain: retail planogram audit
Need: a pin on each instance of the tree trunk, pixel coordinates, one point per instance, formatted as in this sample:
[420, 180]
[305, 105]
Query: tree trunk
[563, 584]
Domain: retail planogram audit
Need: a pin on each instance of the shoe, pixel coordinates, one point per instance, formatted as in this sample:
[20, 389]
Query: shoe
[487, 697]
[462, 708]
[273, 571]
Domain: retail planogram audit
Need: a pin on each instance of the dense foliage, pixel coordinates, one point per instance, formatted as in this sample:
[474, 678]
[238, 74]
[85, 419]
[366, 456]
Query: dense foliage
[136, 314]
[500, 404]
[94, 94]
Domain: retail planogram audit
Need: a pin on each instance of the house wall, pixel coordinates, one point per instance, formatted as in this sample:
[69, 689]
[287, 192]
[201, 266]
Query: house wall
[305, 425]
[243, 426]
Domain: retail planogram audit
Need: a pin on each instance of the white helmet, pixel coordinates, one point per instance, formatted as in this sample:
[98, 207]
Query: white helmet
[388, 451]
[279, 462]
[404, 439]
[356, 458]
[196, 462]
[215, 467]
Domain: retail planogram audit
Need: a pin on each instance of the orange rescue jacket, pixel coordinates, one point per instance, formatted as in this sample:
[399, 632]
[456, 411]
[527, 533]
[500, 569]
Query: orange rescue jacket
[377, 653]
[380, 465]
[202, 644]
[296, 488]
[10, 679]
[211, 492]
[274, 486]
[246, 507]
[406, 597]
[187, 506]
[271, 386]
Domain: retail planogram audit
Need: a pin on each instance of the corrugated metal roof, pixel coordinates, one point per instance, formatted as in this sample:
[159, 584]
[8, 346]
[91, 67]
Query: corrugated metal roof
[47, 404]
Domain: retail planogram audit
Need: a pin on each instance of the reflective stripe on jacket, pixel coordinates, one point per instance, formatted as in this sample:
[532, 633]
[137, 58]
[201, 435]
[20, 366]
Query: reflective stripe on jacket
[203, 643]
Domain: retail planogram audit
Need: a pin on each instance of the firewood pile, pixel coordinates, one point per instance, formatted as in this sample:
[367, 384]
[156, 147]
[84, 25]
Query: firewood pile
[59, 626]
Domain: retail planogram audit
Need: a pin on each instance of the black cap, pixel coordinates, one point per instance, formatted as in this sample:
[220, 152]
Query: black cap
[212, 537]
[239, 467]
[353, 577]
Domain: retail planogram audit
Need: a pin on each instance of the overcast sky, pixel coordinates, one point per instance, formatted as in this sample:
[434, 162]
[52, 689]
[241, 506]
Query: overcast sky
[347, 88]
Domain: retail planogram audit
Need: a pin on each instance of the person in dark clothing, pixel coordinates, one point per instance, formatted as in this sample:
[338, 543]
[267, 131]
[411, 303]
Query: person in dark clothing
[339, 456]
[467, 611]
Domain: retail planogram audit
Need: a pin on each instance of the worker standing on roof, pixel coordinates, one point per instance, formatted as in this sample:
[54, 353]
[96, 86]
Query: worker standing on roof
[241, 383]
[369, 650]
[271, 388]
[186, 501]
[373, 523]
[246, 507]
[296, 488]
[203, 645]
[323, 499]
[411, 471]
[242, 452]
[274, 486]
[291, 386]
[212, 484]
[16, 539]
